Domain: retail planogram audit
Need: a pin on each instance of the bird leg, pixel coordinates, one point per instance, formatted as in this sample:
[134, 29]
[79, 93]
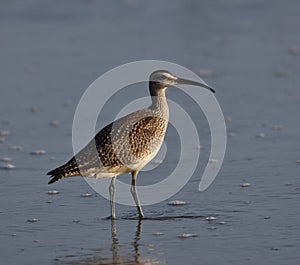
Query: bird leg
[112, 191]
[135, 195]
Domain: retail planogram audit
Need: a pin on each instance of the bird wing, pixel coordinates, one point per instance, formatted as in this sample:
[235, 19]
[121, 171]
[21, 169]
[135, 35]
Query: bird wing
[118, 147]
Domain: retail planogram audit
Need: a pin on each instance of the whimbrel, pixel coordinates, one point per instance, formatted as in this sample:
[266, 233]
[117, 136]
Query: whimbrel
[127, 144]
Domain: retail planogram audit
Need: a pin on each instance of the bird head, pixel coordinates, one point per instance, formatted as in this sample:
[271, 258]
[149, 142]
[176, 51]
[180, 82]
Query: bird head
[161, 79]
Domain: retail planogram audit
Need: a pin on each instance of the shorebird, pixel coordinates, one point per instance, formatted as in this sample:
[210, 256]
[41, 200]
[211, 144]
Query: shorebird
[127, 144]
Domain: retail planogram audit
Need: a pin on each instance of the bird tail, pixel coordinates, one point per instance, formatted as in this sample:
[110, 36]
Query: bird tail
[70, 169]
[54, 179]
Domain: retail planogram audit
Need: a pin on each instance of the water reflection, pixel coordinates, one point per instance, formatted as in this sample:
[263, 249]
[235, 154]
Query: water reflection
[115, 244]
[118, 253]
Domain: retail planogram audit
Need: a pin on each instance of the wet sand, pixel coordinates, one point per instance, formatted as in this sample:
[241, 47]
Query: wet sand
[247, 50]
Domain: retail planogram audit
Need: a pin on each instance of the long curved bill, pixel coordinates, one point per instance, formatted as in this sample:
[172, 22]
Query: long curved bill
[193, 83]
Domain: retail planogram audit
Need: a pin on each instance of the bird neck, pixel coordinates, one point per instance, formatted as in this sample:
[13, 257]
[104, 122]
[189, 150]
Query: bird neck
[159, 100]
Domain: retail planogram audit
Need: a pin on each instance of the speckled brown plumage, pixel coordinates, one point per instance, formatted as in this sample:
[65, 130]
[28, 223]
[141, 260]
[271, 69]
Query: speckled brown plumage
[121, 147]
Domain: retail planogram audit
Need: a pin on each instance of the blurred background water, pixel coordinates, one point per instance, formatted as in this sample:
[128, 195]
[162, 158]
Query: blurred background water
[249, 51]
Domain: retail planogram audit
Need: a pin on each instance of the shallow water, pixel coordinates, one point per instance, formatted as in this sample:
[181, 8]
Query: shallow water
[51, 51]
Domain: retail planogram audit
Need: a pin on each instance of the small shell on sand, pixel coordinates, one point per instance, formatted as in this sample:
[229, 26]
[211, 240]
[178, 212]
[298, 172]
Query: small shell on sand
[260, 135]
[206, 73]
[212, 228]
[298, 161]
[34, 109]
[213, 160]
[8, 166]
[275, 248]
[5, 133]
[231, 134]
[55, 123]
[158, 234]
[86, 195]
[6, 159]
[277, 127]
[38, 152]
[185, 236]
[177, 203]
[67, 103]
[157, 161]
[53, 192]
[210, 218]
[245, 185]
[15, 148]
[33, 220]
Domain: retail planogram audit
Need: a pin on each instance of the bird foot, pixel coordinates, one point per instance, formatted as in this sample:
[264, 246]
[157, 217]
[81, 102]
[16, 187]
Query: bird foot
[110, 218]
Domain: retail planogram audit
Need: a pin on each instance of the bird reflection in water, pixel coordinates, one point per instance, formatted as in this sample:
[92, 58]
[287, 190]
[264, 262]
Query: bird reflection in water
[120, 253]
[115, 245]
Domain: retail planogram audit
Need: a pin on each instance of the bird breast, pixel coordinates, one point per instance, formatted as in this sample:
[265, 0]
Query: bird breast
[137, 141]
